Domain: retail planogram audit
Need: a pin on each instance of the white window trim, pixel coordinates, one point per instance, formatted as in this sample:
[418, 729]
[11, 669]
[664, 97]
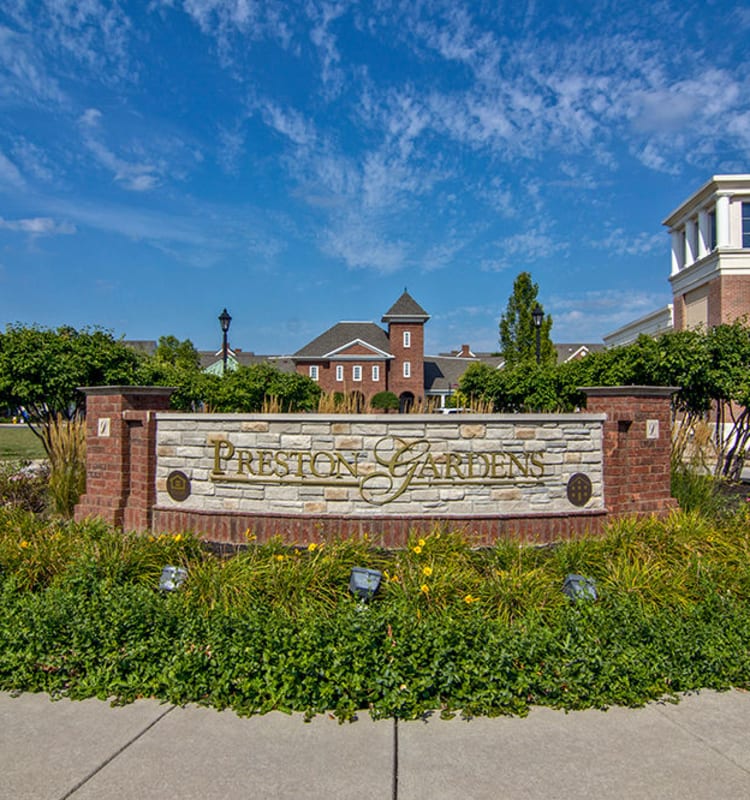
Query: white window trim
[376, 372]
[407, 369]
[407, 339]
[357, 373]
[339, 372]
[314, 372]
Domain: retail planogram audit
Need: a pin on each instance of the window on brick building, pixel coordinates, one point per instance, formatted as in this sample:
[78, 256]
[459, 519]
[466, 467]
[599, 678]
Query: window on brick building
[407, 338]
[339, 372]
[746, 224]
[376, 372]
[357, 373]
[314, 372]
[407, 369]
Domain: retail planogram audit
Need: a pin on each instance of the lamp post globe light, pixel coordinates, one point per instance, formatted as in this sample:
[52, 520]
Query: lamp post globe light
[224, 320]
[538, 316]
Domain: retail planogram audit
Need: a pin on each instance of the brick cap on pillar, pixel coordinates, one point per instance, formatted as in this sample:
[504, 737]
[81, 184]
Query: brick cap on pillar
[154, 391]
[629, 391]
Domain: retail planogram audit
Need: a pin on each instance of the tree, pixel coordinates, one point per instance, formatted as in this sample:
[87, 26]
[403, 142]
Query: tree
[385, 401]
[517, 330]
[41, 370]
[177, 364]
[247, 388]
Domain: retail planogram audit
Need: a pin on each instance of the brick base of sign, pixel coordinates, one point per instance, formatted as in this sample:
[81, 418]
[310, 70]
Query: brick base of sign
[236, 528]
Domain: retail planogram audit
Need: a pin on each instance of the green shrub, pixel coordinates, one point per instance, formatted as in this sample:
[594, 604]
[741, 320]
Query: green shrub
[452, 628]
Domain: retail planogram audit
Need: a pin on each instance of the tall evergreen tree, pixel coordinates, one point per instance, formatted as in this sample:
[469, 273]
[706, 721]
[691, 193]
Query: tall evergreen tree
[517, 330]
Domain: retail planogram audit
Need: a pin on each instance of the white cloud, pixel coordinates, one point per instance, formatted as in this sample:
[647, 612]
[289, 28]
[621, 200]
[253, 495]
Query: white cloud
[34, 160]
[10, 176]
[361, 247]
[136, 176]
[37, 226]
[522, 249]
[23, 73]
[620, 242]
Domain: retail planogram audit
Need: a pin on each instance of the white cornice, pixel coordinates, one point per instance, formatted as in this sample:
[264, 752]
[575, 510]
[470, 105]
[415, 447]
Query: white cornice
[716, 186]
[719, 262]
[376, 351]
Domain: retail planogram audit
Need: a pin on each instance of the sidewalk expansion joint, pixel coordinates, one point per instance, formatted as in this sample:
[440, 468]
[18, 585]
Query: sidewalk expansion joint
[395, 759]
[114, 755]
[704, 741]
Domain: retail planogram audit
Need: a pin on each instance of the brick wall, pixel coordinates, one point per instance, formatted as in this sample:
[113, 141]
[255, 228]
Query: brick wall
[637, 446]
[733, 297]
[121, 454]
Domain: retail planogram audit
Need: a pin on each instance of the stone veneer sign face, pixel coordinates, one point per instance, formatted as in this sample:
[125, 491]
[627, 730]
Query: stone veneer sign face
[380, 465]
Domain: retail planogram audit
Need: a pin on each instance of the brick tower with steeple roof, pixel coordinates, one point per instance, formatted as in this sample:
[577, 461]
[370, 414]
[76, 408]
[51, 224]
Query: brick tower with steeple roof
[406, 320]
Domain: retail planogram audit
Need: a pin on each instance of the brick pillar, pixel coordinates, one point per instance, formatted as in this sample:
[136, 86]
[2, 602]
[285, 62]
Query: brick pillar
[121, 453]
[637, 447]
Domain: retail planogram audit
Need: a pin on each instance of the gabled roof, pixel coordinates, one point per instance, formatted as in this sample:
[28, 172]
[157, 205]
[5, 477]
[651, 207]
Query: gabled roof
[569, 351]
[343, 334]
[405, 309]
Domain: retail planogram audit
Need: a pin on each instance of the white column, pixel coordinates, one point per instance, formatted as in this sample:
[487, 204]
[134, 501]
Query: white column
[691, 251]
[722, 221]
[678, 239]
[704, 234]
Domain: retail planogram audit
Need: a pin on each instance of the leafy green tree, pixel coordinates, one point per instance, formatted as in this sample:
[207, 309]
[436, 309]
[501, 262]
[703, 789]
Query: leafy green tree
[517, 330]
[177, 363]
[41, 370]
[385, 401]
[247, 387]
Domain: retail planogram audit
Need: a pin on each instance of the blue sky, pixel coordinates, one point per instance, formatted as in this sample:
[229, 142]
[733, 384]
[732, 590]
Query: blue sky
[302, 162]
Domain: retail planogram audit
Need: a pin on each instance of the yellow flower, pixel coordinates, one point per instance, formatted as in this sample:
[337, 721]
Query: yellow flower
[470, 599]
[421, 543]
[312, 547]
[279, 557]
[427, 571]
[424, 588]
[418, 549]
[394, 578]
[178, 537]
[24, 544]
[250, 536]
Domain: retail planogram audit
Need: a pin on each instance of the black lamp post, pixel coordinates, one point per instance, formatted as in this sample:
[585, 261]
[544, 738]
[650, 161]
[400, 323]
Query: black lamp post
[538, 316]
[224, 320]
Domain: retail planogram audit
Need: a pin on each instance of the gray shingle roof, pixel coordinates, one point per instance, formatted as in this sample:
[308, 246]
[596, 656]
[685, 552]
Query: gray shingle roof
[405, 309]
[341, 334]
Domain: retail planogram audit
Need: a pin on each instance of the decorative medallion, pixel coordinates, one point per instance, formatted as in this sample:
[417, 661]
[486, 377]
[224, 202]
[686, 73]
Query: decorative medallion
[579, 489]
[178, 486]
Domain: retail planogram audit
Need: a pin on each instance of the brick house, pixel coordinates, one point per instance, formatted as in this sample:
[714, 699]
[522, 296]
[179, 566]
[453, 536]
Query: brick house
[363, 358]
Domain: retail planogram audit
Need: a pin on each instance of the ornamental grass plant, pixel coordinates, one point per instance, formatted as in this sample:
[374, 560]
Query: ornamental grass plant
[453, 627]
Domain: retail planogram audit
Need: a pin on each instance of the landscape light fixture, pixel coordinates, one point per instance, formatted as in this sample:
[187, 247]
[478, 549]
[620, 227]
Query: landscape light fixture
[224, 320]
[363, 582]
[538, 316]
[172, 578]
[576, 587]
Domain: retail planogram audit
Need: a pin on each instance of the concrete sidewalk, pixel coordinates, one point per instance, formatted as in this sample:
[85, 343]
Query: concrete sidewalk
[84, 750]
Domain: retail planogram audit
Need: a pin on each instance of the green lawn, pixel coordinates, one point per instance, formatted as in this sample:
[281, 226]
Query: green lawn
[17, 441]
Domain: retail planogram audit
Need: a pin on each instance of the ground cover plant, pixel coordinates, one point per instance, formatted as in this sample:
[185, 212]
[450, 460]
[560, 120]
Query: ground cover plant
[452, 628]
